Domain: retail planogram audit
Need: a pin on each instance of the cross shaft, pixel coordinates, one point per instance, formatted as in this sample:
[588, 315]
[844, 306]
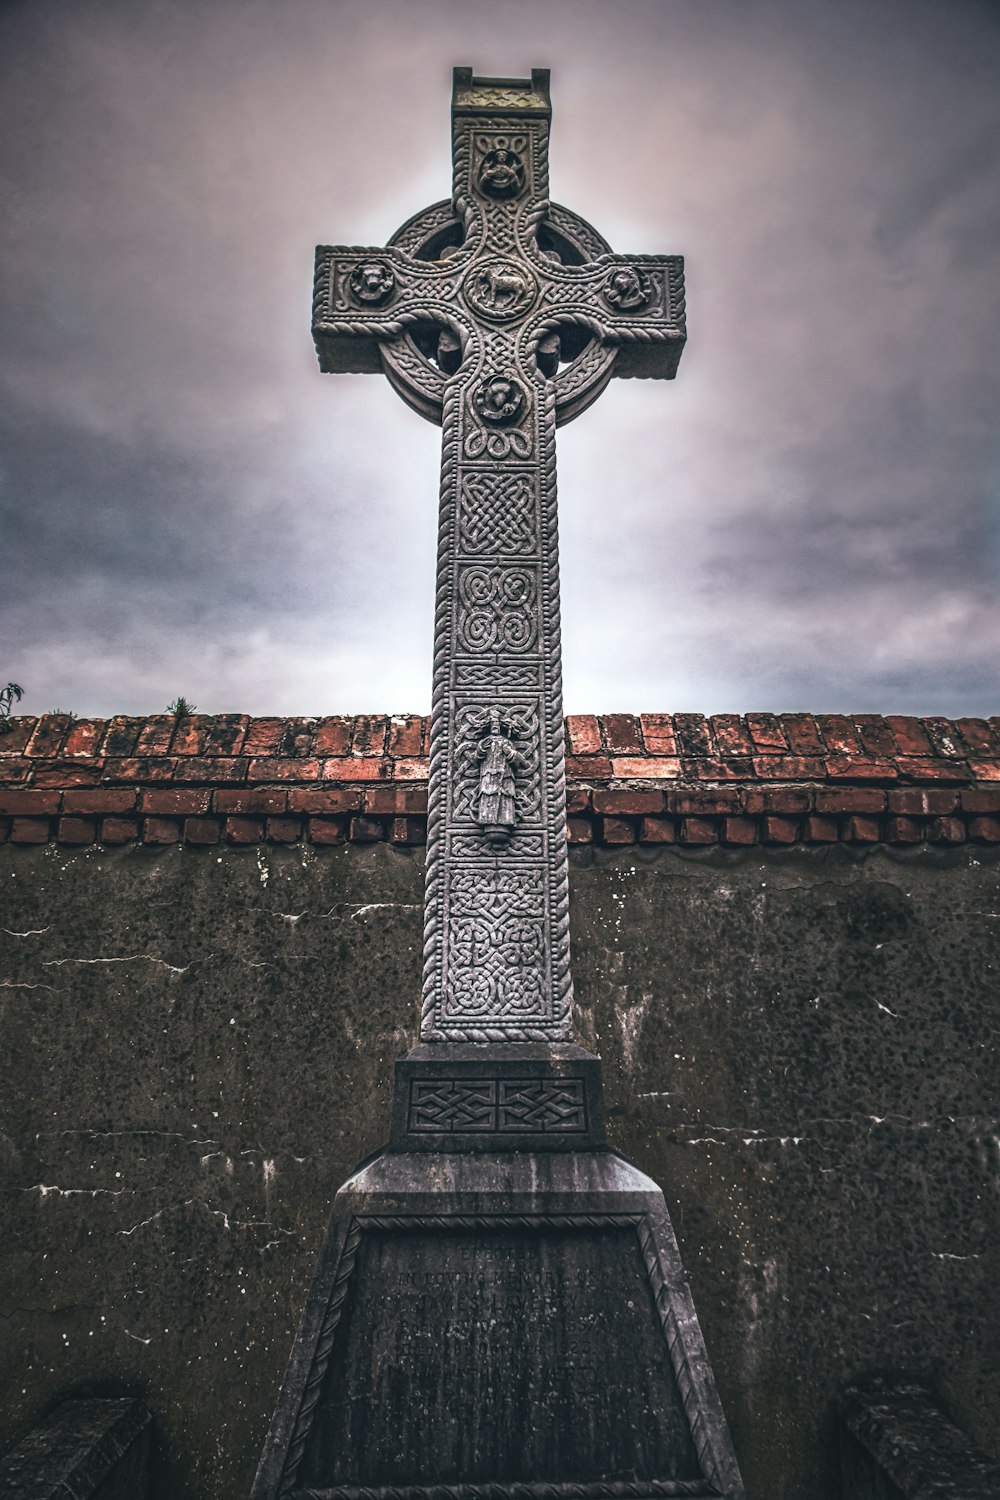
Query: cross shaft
[499, 314]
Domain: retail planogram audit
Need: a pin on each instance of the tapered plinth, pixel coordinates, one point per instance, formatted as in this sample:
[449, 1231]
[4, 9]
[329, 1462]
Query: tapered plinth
[490, 1325]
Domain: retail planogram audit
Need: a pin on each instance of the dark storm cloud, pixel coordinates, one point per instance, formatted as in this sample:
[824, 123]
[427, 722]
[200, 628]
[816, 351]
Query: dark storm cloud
[808, 517]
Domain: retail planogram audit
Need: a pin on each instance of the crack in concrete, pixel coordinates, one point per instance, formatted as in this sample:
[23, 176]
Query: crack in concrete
[172, 1135]
[217, 1213]
[361, 911]
[44, 1189]
[128, 958]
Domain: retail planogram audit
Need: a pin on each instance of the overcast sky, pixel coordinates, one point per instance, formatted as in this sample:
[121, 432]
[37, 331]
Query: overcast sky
[807, 518]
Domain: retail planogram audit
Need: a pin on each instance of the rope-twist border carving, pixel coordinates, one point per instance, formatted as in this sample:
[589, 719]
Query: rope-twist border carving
[679, 1354]
[437, 771]
[639, 1489]
[320, 1359]
[562, 979]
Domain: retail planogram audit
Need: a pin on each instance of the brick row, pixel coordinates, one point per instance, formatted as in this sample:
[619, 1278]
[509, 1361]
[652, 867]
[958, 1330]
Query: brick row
[870, 739]
[787, 799]
[365, 770]
[61, 736]
[586, 825]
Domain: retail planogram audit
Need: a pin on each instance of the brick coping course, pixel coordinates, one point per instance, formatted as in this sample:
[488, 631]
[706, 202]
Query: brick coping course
[652, 779]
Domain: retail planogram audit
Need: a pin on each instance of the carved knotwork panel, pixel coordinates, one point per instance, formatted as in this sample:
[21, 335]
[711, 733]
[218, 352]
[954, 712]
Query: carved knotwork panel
[502, 676]
[514, 1106]
[498, 512]
[496, 969]
[524, 845]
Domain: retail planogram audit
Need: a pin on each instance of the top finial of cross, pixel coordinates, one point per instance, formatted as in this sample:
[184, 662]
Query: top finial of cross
[521, 96]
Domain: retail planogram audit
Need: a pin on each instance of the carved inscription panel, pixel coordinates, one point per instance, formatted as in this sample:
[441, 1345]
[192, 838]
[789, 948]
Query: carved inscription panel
[499, 1355]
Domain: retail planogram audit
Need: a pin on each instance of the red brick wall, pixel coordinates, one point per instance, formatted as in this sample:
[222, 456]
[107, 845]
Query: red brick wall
[651, 779]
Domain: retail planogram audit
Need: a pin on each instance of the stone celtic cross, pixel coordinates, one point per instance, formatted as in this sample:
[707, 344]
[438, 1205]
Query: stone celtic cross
[498, 314]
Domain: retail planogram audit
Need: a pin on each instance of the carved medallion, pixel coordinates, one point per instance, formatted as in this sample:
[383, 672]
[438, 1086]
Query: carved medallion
[372, 283]
[627, 289]
[499, 399]
[501, 174]
[499, 289]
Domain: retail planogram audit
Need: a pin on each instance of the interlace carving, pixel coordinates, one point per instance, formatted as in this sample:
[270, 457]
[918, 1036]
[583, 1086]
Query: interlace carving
[503, 1106]
[497, 513]
[497, 947]
[469, 308]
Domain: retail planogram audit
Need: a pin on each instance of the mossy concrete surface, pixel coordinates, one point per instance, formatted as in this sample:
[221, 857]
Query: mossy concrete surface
[799, 1046]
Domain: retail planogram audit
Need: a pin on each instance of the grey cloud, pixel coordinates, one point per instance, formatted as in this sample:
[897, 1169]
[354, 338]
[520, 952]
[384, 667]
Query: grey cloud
[808, 517]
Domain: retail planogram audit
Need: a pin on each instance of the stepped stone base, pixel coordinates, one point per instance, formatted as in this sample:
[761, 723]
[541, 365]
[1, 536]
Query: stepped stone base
[511, 1326]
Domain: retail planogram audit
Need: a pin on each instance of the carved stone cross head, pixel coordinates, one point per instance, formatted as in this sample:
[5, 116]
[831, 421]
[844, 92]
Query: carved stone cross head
[498, 314]
[499, 286]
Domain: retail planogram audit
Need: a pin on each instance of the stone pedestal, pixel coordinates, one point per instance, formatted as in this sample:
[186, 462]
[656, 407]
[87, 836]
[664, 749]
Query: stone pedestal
[499, 1311]
[89, 1448]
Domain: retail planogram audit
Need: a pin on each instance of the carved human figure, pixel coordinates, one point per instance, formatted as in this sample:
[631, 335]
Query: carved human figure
[500, 758]
[627, 289]
[501, 174]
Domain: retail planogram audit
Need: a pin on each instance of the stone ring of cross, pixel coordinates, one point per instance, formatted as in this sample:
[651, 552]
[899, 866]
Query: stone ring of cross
[427, 353]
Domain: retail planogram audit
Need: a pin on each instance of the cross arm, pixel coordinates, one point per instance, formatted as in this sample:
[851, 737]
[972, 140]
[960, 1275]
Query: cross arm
[634, 301]
[366, 297]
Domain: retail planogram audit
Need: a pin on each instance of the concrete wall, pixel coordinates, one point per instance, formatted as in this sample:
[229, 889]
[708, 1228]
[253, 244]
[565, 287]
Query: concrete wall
[800, 1045]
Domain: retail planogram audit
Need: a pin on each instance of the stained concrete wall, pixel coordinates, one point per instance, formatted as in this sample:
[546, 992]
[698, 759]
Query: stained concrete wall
[800, 1046]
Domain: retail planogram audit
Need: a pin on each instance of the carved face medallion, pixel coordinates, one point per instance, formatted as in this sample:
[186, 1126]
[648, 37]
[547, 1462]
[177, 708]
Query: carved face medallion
[499, 289]
[499, 399]
[501, 174]
[627, 289]
[372, 282]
